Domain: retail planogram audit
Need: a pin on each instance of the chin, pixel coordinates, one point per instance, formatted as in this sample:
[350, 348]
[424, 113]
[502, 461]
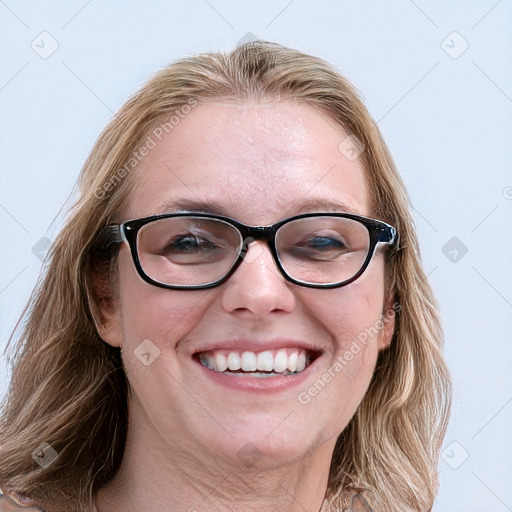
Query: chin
[266, 444]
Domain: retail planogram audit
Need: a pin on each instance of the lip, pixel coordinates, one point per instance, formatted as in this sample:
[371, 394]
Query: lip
[258, 385]
[254, 345]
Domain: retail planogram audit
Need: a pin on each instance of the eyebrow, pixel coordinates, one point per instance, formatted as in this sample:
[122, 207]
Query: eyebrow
[215, 207]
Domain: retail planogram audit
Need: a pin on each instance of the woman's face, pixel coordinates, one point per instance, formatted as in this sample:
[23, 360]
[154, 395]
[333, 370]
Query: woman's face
[260, 163]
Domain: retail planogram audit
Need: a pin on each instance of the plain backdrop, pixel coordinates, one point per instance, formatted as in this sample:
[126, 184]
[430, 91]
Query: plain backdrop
[436, 75]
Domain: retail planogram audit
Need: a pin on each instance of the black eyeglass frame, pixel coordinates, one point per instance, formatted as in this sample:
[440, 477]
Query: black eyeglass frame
[379, 232]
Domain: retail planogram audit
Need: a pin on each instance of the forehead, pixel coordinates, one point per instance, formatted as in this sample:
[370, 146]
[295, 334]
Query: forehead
[254, 162]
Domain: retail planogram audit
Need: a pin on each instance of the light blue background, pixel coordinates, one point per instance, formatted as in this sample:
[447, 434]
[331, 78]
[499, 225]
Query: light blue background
[446, 120]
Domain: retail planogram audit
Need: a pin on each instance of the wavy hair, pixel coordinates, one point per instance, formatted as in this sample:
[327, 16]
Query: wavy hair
[68, 387]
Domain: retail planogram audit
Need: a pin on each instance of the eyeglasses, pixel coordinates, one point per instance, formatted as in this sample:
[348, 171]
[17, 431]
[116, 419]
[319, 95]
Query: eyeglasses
[192, 251]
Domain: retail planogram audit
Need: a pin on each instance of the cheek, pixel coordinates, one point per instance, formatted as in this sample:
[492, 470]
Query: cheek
[352, 313]
[149, 312]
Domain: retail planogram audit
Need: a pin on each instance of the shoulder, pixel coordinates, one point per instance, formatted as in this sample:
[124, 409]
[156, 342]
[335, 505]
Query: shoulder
[8, 504]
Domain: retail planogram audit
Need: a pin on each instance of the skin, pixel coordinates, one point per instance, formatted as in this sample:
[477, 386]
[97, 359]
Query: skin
[185, 432]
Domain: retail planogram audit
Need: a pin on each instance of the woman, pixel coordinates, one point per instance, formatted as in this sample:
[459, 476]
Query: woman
[179, 354]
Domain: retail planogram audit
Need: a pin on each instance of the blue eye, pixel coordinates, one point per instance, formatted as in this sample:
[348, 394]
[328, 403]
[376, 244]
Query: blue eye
[324, 242]
[320, 248]
[189, 244]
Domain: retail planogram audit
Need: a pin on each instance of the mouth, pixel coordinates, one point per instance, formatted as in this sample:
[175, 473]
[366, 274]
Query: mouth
[263, 364]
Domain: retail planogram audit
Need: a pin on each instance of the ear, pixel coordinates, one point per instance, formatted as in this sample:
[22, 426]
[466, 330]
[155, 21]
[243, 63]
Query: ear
[388, 320]
[109, 325]
[106, 311]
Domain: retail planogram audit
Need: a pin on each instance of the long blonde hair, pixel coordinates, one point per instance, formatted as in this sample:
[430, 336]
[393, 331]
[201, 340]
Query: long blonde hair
[68, 387]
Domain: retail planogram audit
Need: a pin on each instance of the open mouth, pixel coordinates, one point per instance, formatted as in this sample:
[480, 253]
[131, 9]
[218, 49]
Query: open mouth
[267, 363]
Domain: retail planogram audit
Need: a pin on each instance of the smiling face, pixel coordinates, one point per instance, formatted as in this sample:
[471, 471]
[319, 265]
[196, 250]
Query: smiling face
[260, 164]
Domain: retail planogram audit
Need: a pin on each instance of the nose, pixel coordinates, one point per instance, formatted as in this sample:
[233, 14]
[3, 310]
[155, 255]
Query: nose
[257, 287]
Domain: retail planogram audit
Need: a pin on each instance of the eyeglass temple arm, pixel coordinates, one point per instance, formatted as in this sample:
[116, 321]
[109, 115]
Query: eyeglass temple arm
[387, 234]
[114, 233]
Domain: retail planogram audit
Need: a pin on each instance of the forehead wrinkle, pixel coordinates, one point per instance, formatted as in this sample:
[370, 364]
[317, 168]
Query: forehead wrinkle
[318, 204]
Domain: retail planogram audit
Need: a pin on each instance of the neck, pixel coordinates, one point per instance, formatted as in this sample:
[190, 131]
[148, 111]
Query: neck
[158, 476]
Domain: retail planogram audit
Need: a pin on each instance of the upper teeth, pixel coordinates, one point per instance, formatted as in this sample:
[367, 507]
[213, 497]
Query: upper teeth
[278, 361]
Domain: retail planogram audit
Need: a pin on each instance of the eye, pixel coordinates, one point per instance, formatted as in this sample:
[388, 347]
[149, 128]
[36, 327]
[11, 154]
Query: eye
[321, 242]
[324, 242]
[188, 243]
[320, 247]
